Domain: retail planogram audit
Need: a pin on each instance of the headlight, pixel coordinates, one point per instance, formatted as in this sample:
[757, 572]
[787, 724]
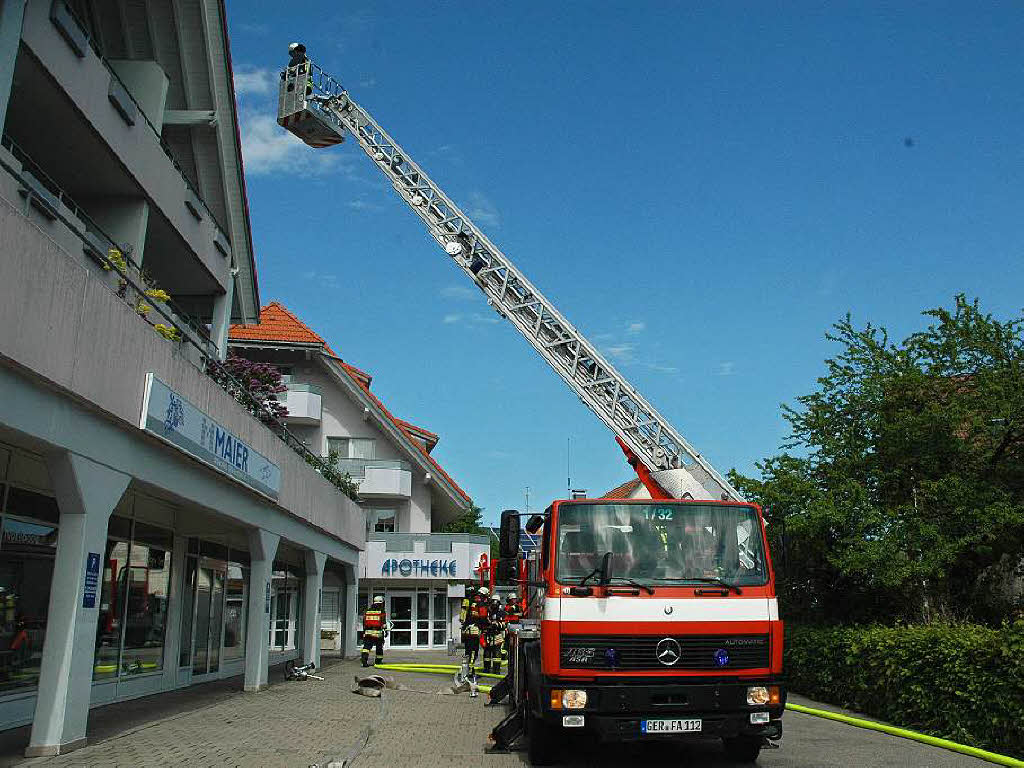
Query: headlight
[574, 699]
[757, 695]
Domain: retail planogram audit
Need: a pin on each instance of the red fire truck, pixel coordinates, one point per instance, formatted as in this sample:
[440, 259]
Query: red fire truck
[642, 618]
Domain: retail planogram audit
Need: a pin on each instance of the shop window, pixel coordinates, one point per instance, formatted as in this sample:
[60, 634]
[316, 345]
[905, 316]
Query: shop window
[27, 550]
[235, 611]
[440, 617]
[188, 604]
[362, 605]
[132, 622]
[423, 618]
[285, 606]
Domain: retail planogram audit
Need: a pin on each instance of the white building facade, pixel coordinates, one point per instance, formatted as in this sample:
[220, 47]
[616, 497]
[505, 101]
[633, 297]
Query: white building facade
[154, 533]
[404, 492]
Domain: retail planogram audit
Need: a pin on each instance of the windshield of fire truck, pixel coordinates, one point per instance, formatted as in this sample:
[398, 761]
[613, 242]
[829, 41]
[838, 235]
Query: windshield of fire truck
[660, 543]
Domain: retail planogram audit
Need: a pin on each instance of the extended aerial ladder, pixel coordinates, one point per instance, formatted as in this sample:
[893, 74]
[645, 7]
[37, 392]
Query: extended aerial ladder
[320, 111]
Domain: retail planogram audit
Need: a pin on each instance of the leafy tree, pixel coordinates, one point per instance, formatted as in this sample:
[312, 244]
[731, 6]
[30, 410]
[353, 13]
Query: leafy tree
[471, 521]
[901, 493]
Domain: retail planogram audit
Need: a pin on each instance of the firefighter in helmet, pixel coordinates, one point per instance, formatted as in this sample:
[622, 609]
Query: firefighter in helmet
[511, 617]
[474, 624]
[375, 622]
[494, 635]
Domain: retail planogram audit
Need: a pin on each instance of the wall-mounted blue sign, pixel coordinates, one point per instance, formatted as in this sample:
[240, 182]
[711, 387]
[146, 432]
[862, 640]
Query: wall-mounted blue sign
[408, 567]
[92, 579]
[174, 419]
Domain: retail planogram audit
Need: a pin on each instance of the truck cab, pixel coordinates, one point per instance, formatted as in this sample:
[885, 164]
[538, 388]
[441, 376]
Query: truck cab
[649, 619]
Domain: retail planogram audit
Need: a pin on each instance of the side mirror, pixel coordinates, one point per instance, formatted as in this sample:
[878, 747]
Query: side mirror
[508, 538]
[534, 524]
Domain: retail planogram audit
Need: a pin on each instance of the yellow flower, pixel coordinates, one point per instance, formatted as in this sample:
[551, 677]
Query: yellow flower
[158, 294]
[169, 333]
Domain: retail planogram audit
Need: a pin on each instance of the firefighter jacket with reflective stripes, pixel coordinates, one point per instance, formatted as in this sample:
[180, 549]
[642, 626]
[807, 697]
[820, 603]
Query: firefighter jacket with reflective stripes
[374, 621]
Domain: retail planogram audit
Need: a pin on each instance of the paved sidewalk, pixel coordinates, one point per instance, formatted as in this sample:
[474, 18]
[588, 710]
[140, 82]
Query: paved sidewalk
[296, 725]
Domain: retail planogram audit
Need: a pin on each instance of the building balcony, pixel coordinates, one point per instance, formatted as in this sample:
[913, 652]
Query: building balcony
[72, 323]
[379, 478]
[108, 117]
[303, 402]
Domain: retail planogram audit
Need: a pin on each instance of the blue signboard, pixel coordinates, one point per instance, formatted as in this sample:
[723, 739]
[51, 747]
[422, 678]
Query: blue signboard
[92, 580]
[172, 418]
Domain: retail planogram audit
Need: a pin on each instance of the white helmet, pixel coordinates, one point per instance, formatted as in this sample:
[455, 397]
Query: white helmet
[378, 600]
[483, 591]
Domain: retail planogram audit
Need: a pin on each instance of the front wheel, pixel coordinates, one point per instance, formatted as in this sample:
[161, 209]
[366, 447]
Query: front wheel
[542, 747]
[743, 749]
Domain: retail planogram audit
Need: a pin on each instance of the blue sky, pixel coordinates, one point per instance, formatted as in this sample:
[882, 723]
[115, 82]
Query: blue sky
[702, 189]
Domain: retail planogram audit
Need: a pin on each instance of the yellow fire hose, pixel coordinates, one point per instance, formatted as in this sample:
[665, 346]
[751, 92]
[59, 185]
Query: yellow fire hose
[934, 741]
[992, 757]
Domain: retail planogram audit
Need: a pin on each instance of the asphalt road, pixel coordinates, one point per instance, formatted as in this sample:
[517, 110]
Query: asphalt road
[807, 742]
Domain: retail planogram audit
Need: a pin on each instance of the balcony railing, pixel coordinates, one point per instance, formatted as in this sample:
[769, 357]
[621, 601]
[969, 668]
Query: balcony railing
[69, 16]
[56, 205]
[48, 195]
[356, 468]
[313, 389]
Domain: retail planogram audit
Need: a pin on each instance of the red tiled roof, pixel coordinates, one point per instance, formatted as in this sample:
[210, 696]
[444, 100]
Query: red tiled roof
[277, 323]
[363, 377]
[624, 491]
[424, 434]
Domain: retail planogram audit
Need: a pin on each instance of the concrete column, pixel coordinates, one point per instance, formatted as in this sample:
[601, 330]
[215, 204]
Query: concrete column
[87, 493]
[262, 548]
[311, 603]
[351, 617]
[12, 13]
[222, 317]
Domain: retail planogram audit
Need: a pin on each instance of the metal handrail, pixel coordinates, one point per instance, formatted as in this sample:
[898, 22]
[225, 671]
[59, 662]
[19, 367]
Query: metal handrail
[212, 366]
[357, 467]
[47, 181]
[159, 136]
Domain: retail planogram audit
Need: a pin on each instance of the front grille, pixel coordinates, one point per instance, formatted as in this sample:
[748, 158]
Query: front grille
[641, 652]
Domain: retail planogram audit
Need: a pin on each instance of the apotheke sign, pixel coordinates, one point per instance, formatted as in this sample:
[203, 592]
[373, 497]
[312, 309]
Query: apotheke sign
[416, 567]
[172, 418]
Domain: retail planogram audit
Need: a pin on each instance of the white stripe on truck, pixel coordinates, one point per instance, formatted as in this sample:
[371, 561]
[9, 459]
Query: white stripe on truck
[627, 609]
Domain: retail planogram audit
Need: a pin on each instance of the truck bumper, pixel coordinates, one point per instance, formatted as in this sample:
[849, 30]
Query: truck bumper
[616, 712]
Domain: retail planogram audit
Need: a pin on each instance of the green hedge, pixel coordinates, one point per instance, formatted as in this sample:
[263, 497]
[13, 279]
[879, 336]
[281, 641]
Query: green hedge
[959, 681]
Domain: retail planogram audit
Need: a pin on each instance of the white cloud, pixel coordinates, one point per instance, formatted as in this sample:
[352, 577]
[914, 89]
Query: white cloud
[622, 352]
[659, 368]
[268, 148]
[255, 82]
[482, 211]
[475, 319]
[459, 292]
[728, 368]
[637, 327]
[362, 204]
[327, 279]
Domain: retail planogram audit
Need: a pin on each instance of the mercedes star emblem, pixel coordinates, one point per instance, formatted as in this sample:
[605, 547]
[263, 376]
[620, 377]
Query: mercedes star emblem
[668, 652]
